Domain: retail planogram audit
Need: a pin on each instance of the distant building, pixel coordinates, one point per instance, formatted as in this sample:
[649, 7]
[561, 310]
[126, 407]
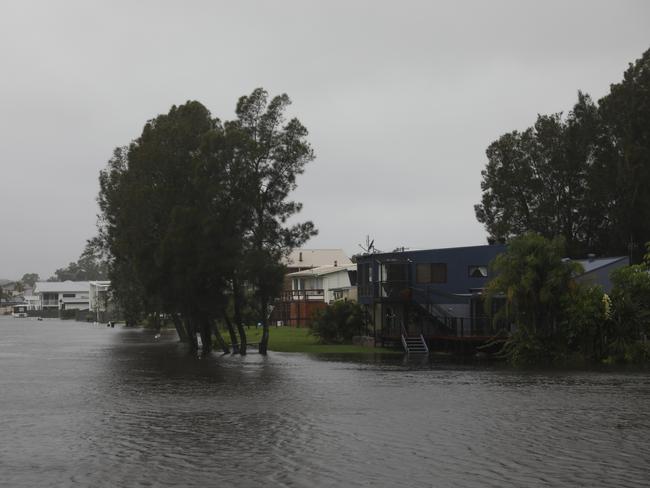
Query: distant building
[66, 295]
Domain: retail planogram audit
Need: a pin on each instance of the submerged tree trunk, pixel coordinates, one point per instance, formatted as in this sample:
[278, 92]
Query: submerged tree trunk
[206, 336]
[180, 330]
[233, 335]
[243, 345]
[222, 343]
[264, 341]
[191, 334]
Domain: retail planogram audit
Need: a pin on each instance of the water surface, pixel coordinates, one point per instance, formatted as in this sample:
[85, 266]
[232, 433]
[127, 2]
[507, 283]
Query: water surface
[83, 405]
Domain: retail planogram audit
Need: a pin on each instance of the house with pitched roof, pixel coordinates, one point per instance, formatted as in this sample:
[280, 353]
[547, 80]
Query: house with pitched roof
[65, 295]
[315, 277]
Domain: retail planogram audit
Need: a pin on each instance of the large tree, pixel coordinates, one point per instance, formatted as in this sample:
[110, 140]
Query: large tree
[537, 180]
[194, 212]
[584, 176]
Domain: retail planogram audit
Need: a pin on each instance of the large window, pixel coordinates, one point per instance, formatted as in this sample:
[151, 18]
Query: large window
[478, 271]
[431, 273]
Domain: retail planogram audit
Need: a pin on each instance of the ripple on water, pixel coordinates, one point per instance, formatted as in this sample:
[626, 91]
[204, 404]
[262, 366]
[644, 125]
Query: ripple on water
[115, 407]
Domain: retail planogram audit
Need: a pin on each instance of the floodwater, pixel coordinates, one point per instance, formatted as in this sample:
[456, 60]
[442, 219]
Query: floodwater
[84, 405]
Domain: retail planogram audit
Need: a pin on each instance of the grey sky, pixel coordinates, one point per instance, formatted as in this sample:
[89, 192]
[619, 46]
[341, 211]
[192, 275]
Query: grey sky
[400, 98]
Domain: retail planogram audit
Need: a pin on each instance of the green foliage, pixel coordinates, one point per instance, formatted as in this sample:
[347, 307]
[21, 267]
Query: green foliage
[583, 177]
[30, 279]
[587, 323]
[631, 302]
[535, 280]
[194, 212]
[90, 266]
[338, 323]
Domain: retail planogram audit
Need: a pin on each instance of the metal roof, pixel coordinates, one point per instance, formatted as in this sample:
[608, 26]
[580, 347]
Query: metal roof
[323, 270]
[61, 286]
[590, 265]
[314, 258]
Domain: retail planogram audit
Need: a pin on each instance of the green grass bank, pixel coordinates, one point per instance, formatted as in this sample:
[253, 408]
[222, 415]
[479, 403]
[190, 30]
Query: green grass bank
[290, 339]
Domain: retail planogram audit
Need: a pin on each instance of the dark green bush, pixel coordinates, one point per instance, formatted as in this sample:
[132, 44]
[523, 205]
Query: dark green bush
[338, 323]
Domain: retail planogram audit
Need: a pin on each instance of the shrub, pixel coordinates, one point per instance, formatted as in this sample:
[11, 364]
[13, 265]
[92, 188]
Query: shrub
[338, 323]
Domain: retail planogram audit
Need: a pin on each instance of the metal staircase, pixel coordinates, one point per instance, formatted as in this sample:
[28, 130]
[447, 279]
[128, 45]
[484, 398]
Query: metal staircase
[414, 344]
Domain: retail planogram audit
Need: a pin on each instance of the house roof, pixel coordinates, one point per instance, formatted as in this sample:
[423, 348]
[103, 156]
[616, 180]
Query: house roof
[590, 265]
[323, 270]
[61, 286]
[313, 258]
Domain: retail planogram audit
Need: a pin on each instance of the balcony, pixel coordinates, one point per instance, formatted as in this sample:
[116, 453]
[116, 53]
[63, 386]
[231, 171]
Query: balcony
[313, 295]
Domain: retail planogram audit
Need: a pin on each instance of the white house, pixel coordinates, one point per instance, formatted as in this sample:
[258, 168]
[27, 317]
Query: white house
[336, 282]
[66, 295]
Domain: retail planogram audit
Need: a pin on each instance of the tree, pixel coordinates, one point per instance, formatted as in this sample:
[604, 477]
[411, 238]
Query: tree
[537, 180]
[536, 282]
[90, 266]
[624, 158]
[274, 152]
[583, 177]
[338, 323]
[30, 279]
[194, 212]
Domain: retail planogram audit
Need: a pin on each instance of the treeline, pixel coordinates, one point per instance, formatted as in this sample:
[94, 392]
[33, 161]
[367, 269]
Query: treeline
[193, 216]
[584, 176]
[91, 265]
[558, 319]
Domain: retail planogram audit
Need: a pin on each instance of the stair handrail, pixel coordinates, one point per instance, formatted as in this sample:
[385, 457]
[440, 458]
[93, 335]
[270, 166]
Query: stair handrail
[424, 343]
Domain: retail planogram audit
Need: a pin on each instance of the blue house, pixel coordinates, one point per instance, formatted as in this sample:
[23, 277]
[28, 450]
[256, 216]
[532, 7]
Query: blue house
[434, 292]
[437, 293]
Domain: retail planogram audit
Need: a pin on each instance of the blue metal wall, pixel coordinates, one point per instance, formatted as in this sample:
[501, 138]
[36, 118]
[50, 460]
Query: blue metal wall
[457, 259]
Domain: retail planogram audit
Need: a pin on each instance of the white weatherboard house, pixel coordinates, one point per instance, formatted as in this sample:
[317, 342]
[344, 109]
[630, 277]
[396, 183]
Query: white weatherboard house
[336, 282]
[66, 295]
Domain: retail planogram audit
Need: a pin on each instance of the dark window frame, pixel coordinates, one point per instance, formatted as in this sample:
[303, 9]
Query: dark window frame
[438, 274]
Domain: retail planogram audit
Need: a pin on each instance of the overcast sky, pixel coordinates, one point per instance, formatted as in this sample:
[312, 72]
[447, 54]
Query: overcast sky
[401, 100]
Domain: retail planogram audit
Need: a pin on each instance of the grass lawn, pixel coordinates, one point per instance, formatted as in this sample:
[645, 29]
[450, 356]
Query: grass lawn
[290, 339]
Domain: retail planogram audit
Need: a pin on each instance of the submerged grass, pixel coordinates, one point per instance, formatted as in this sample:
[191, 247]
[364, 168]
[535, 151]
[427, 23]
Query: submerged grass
[290, 339]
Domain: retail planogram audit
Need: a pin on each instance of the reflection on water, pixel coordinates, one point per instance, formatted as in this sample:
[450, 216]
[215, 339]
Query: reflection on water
[92, 406]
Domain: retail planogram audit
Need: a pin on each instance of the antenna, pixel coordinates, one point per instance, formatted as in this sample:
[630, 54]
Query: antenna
[369, 247]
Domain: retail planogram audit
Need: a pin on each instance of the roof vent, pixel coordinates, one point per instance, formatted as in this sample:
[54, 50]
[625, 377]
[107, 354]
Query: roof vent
[335, 263]
[300, 256]
[591, 257]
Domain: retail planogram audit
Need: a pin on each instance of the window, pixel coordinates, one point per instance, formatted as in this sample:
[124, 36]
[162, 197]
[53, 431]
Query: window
[69, 295]
[439, 273]
[480, 271]
[423, 273]
[431, 273]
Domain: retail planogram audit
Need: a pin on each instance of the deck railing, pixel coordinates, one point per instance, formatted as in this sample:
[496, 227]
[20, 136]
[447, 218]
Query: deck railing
[303, 295]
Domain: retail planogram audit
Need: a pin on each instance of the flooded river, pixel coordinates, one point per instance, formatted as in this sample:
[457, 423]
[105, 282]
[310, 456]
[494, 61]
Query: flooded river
[84, 405]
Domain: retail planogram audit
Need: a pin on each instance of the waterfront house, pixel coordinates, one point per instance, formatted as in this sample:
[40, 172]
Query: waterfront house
[315, 277]
[439, 292]
[435, 292]
[66, 295]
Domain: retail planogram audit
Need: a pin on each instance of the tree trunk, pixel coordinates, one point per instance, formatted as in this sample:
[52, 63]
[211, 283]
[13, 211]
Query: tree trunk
[206, 336]
[233, 335]
[243, 345]
[264, 341]
[191, 334]
[180, 330]
[222, 343]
